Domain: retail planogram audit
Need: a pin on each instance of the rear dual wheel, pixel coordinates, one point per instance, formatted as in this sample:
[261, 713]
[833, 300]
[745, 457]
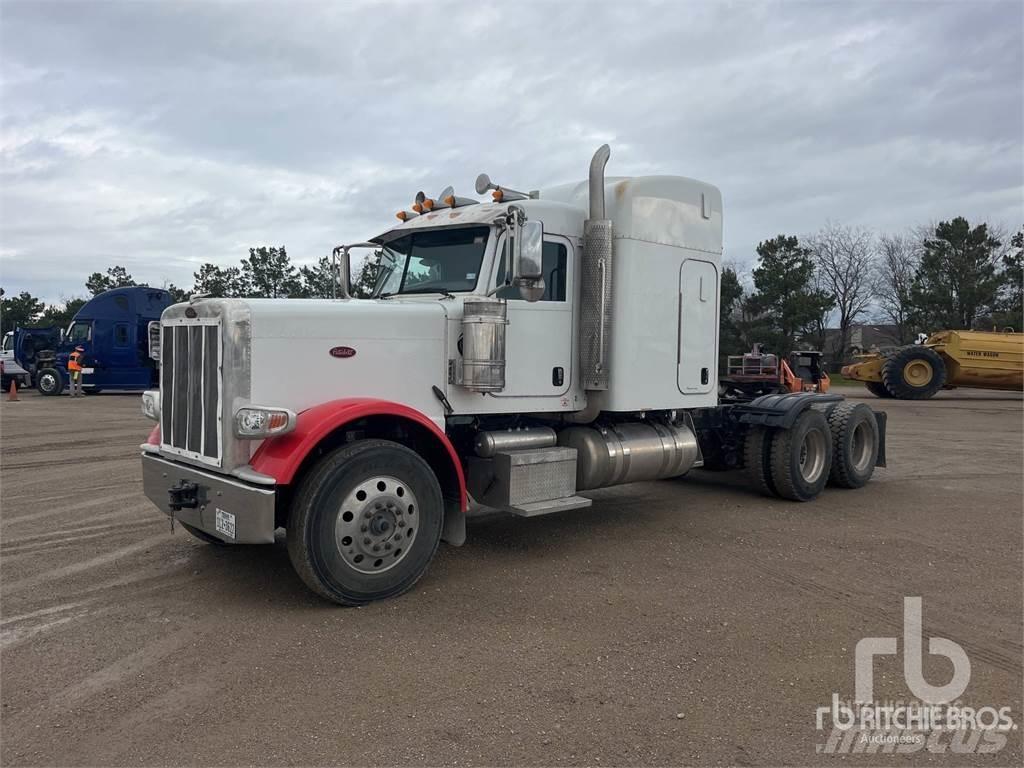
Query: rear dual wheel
[366, 522]
[792, 463]
[855, 438]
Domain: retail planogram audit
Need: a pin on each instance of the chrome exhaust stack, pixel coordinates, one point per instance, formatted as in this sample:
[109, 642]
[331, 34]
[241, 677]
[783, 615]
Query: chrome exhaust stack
[596, 289]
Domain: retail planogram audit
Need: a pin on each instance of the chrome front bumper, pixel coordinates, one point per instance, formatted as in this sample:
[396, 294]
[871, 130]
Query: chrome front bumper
[230, 510]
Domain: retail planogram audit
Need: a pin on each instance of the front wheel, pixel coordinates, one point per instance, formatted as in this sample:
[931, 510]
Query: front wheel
[914, 373]
[366, 522]
[50, 382]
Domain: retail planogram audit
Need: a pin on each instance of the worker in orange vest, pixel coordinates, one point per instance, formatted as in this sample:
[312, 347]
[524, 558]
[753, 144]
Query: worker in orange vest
[75, 369]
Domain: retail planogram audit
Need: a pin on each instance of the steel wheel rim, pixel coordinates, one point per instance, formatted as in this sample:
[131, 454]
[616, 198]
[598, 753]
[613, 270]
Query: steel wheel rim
[48, 382]
[377, 524]
[812, 456]
[860, 453]
[917, 373]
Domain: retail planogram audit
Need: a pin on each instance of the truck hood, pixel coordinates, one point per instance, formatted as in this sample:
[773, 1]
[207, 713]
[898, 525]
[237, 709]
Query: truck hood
[309, 351]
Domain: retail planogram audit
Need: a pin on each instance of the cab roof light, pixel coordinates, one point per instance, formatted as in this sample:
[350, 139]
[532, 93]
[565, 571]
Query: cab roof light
[441, 201]
[423, 204]
[406, 215]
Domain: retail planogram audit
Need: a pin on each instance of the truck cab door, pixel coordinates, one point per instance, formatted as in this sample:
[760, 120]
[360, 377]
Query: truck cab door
[80, 334]
[538, 341]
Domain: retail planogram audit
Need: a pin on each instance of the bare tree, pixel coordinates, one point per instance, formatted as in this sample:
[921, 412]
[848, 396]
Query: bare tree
[899, 256]
[845, 259]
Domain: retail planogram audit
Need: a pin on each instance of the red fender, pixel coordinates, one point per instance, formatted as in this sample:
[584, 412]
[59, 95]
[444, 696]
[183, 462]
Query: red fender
[281, 457]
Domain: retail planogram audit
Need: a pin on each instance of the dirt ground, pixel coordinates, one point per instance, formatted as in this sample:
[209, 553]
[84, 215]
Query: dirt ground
[680, 622]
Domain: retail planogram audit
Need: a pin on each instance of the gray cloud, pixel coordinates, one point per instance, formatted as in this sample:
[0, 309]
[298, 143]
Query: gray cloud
[160, 136]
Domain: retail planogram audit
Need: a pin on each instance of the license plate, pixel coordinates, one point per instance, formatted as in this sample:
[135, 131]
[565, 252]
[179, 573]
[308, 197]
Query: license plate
[225, 523]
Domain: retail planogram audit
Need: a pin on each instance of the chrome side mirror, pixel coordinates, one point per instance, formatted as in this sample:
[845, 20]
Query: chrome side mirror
[528, 261]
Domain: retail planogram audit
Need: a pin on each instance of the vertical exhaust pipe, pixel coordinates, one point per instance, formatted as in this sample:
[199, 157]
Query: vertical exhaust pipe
[596, 289]
[597, 164]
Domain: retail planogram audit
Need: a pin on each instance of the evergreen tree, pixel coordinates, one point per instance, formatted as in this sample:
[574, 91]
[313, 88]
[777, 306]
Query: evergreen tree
[317, 281]
[956, 281]
[730, 338]
[59, 315]
[363, 285]
[18, 311]
[220, 282]
[115, 277]
[786, 304]
[269, 273]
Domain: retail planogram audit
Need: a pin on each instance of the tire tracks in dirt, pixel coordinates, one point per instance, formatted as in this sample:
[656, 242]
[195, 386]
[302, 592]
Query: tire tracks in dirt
[861, 604]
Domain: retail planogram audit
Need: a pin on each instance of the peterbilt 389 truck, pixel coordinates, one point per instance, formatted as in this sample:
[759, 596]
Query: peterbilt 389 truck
[514, 354]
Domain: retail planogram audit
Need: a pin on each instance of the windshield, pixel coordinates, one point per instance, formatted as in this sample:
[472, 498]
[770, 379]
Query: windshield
[432, 261]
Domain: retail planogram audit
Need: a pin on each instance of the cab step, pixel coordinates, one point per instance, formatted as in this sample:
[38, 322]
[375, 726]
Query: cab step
[546, 507]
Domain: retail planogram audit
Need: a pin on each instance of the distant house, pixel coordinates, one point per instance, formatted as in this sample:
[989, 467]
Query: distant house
[863, 338]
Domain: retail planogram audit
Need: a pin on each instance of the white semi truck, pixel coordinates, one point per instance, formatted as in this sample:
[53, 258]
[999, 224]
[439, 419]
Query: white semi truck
[514, 354]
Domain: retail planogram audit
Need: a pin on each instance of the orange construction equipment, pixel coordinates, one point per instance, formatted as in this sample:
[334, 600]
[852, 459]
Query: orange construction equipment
[759, 373]
[812, 377]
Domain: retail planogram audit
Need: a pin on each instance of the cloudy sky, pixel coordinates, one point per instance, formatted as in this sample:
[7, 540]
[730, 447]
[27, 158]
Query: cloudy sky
[162, 135]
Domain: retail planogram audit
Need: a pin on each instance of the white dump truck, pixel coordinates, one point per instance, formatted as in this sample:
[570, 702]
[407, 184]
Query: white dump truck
[514, 355]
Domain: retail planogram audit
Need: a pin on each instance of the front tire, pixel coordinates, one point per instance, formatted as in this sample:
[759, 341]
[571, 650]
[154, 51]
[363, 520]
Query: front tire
[50, 382]
[365, 523]
[802, 457]
[914, 373]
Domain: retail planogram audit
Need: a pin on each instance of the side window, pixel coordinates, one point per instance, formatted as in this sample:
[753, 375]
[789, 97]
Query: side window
[554, 263]
[121, 335]
[80, 332]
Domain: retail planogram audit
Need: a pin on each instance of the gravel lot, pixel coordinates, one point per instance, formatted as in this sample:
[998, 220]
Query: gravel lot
[681, 622]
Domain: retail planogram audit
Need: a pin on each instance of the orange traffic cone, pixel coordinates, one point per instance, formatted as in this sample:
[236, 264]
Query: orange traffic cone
[12, 394]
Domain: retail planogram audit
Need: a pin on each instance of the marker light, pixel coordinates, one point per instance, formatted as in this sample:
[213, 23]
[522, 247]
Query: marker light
[258, 422]
[151, 404]
[497, 195]
[450, 201]
[428, 204]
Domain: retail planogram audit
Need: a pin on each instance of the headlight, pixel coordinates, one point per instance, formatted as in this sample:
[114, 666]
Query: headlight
[151, 404]
[257, 422]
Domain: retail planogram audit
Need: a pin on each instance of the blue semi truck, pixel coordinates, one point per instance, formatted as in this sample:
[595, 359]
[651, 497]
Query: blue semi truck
[112, 328]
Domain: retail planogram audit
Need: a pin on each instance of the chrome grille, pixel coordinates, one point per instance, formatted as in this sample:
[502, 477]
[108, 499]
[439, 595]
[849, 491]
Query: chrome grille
[190, 390]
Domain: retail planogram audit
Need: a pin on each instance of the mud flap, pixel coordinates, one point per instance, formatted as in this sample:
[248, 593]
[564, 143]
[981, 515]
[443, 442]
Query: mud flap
[881, 417]
[454, 530]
